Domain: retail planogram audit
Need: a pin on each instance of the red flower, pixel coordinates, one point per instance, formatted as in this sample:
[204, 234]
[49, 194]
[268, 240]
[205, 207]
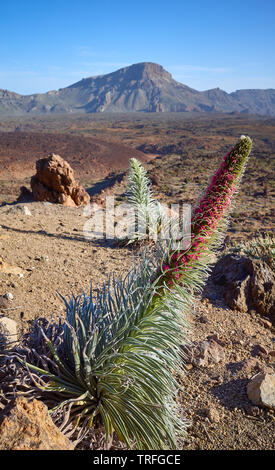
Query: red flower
[211, 210]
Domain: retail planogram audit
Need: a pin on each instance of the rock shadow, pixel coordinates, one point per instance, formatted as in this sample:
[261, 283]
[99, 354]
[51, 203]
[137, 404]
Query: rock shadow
[232, 394]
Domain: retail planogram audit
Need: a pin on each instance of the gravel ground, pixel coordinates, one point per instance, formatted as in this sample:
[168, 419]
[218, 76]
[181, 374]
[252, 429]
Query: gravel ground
[50, 251]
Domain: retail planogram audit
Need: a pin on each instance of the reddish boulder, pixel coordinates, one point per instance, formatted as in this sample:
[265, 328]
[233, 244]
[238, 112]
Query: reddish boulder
[28, 426]
[54, 182]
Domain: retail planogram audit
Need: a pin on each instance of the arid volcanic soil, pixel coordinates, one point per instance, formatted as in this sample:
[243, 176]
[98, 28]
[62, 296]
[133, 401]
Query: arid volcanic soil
[90, 158]
[50, 251]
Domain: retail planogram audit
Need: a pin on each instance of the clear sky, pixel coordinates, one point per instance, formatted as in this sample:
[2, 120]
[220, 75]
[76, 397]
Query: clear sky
[46, 45]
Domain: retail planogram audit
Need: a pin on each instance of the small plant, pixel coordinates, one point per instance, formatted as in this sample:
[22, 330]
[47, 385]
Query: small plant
[147, 216]
[115, 359]
[261, 247]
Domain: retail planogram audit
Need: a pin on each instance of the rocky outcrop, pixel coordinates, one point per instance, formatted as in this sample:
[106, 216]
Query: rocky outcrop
[247, 284]
[54, 182]
[28, 426]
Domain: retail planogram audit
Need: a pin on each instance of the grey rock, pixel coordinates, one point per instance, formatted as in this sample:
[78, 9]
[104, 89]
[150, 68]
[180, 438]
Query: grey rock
[19, 209]
[8, 296]
[261, 390]
[4, 303]
[8, 333]
[247, 284]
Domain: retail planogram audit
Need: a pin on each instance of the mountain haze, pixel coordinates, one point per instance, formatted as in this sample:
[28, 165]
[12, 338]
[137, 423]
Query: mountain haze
[142, 87]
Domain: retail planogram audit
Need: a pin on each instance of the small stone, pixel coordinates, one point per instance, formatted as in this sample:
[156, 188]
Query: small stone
[8, 268]
[266, 323]
[4, 303]
[8, 333]
[203, 319]
[9, 296]
[212, 414]
[216, 339]
[42, 258]
[20, 209]
[26, 210]
[261, 390]
[248, 365]
[205, 353]
[259, 349]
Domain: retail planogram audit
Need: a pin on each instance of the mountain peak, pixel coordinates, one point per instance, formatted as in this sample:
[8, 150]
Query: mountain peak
[150, 68]
[141, 87]
[144, 70]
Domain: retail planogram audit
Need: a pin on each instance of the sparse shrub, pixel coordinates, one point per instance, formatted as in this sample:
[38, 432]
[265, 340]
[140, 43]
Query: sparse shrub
[118, 354]
[261, 247]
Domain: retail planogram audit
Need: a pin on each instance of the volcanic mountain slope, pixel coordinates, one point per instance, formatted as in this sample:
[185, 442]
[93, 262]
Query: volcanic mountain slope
[89, 157]
[142, 87]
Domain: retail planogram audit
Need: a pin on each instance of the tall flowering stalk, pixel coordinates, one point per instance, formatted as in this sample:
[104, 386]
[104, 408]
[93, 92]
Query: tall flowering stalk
[208, 222]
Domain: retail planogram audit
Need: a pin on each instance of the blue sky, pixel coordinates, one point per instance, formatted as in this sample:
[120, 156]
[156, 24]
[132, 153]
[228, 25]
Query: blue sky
[204, 44]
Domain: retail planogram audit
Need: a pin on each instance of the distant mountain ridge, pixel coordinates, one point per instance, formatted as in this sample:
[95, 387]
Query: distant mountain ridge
[142, 87]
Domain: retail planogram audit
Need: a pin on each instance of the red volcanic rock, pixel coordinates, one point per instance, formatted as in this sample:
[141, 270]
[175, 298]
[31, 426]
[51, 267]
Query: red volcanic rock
[54, 182]
[28, 426]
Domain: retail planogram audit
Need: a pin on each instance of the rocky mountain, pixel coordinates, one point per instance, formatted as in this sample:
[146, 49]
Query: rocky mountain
[142, 87]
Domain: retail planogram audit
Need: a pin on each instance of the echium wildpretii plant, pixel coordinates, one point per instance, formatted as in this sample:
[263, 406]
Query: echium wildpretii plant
[120, 352]
[147, 217]
[188, 266]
